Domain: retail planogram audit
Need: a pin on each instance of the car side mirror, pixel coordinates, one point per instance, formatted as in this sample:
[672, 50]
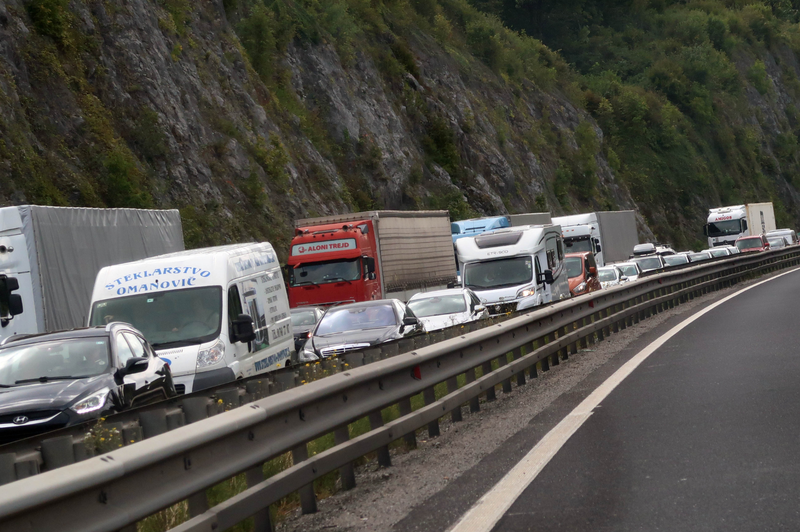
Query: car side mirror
[15, 304]
[243, 329]
[369, 264]
[479, 309]
[592, 270]
[132, 365]
[546, 277]
[410, 321]
[597, 247]
[623, 278]
[371, 276]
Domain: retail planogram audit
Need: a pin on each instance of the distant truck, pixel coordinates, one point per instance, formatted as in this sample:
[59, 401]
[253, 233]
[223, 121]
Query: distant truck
[53, 254]
[515, 268]
[370, 255]
[476, 226]
[726, 224]
[610, 235]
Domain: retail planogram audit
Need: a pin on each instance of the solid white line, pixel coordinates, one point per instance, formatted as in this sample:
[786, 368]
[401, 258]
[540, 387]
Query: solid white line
[485, 514]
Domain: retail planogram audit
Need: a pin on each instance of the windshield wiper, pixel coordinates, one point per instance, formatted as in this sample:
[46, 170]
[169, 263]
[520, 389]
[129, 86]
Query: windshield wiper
[334, 279]
[306, 283]
[176, 343]
[48, 379]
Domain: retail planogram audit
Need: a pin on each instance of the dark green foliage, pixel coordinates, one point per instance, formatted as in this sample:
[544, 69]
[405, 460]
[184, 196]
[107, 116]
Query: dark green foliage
[50, 18]
[758, 77]
[147, 137]
[123, 182]
[440, 145]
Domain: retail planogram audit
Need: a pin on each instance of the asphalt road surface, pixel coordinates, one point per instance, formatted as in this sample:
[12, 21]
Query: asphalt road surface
[703, 435]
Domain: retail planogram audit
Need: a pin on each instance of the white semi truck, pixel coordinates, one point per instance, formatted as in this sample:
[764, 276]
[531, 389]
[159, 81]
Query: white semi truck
[515, 268]
[50, 257]
[726, 224]
[610, 235]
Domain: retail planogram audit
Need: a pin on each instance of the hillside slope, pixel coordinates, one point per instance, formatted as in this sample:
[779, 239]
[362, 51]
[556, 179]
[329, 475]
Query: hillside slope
[246, 115]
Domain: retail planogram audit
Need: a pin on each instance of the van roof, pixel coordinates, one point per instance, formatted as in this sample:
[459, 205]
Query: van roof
[515, 240]
[230, 250]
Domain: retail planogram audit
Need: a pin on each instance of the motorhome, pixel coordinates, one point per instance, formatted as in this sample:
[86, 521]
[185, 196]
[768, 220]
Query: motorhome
[515, 268]
[215, 314]
[725, 225]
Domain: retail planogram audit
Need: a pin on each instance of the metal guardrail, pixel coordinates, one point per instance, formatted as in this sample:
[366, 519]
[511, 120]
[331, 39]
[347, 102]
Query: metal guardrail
[115, 490]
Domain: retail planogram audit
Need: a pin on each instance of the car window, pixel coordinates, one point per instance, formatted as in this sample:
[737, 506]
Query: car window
[438, 305]
[124, 351]
[136, 345]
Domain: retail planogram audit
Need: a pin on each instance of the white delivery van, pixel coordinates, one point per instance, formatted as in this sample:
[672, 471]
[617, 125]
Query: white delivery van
[214, 314]
[515, 268]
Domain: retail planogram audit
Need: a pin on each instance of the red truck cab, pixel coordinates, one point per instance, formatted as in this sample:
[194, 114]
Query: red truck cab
[582, 273]
[752, 243]
[333, 263]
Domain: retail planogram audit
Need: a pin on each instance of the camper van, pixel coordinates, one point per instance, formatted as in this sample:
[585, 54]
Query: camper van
[214, 314]
[515, 268]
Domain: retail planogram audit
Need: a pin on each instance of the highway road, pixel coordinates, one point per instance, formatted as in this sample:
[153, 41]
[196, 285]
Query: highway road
[702, 435]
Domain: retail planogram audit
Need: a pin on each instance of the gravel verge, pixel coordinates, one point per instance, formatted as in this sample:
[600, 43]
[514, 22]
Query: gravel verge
[384, 496]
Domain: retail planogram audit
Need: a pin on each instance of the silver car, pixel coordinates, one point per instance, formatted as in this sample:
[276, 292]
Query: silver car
[444, 308]
[611, 276]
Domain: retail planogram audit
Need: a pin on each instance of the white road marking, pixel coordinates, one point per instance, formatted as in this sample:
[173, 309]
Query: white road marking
[485, 514]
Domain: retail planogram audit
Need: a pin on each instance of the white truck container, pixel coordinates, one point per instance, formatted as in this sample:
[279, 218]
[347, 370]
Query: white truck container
[514, 268]
[215, 314]
[610, 235]
[529, 218]
[54, 253]
[726, 224]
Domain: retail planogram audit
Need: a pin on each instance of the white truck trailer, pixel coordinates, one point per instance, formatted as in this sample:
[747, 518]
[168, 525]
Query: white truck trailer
[726, 224]
[514, 268]
[54, 254]
[610, 235]
[529, 218]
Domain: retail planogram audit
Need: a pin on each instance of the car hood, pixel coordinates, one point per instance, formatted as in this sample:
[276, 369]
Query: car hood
[54, 395]
[575, 281]
[367, 336]
[434, 323]
[181, 360]
[302, 329]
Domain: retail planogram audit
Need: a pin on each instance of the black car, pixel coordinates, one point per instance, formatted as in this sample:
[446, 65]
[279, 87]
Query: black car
[355, 326]
[304, 319]
[49, 381]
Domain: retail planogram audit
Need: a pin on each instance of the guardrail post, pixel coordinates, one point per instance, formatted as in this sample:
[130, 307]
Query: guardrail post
[198, 504]
[308, 501]
[474, 402]
[8, 473]
[452, 386]
[57, 452]
[517, 353]
[490, 393]
[346, 472]
[405, 409]
[503, 361]
[429, 395]
[376, 422]
[600, 332]
[263, 522]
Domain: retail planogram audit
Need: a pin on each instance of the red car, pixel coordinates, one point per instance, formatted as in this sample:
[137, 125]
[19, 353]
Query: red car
[582, 272]
[752, 243]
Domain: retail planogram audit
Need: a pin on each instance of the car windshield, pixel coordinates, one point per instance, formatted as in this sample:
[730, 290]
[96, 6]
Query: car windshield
[749, 243]
[71, 358]
[728, 227]
[776, 242]
[356, 319]
[629, 270]
[172, 318]
[719, 252]
[331, 271]
[694, 257]
[438, 305]
[498, 273]
[606, 274]
[303, 318]
[574, 266]
[576, 246]
[675, 260]
[649, 263]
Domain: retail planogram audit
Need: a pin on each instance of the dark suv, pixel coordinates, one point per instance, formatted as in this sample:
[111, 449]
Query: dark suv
[49, 381]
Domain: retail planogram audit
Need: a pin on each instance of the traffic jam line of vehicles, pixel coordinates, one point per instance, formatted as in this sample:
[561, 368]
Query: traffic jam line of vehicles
[103, 310]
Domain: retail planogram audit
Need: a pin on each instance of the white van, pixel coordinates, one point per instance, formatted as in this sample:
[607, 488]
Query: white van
[214, 314]
[515, 268]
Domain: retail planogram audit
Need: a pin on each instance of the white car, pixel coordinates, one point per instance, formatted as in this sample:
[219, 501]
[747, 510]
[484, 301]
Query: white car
[444, 308]
[611, 276]
[718, 252]
[676, 259]
[699, 256]
[630, 269]
[732, 249]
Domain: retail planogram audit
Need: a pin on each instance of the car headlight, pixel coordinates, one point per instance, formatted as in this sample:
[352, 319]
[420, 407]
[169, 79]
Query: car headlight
[580, 288]
[94, 402]
[307, 356]
[212, 355]
[526, 292]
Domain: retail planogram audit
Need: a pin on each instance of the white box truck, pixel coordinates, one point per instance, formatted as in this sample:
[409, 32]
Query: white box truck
[726, 224]
[515, 268]
[214, 314]
[610, 235]
[54, 254]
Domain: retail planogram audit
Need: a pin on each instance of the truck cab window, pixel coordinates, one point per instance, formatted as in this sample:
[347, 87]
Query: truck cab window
[234, 304]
